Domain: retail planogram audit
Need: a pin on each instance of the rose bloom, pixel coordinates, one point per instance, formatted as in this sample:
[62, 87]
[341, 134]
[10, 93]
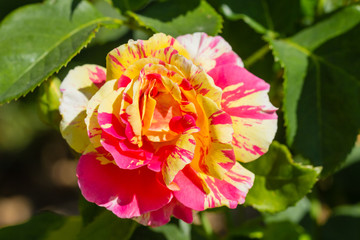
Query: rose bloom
[162, 128]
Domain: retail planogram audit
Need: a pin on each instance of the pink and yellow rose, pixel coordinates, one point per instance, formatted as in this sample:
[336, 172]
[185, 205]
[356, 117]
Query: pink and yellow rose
[162, 128]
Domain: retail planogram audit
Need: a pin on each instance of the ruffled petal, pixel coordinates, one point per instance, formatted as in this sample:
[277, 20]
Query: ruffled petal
[209, 52]
[201, 82]
[119, 59]
[127, 193]
[178, 156]
[125, 158]
[163, 215]
[93, 127]
[229, 192]
[216, 155]
[77, 88]
[245, 99]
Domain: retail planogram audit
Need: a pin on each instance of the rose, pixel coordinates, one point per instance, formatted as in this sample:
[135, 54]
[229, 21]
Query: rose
[162, 128]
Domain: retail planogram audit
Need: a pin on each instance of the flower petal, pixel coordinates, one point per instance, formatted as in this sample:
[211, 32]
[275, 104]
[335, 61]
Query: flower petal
[198, 78]
[228, 192]
[108, 113]
[254, 118]
[162, 216]
[93, 127]
[178, 156]
[127, 193]
[209, 52]
[78, 87]
[217, 154]
[119, 59]
[125, 158]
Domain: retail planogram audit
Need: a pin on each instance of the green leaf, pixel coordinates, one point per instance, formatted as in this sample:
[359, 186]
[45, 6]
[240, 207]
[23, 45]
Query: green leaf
[265, 16]
[202, 19]
[285, 230]
[109, 33]
[327, 6]
[49, 102]
[130, 5]
[45, 226]
[167, 10]
[279, 181]
[108, 226]
[239, 40]
[69, 230]
[321, 88]
[308, 9]
[311, 38]
[172, 232]
[37, 40]
[252, 228]
[293, 214]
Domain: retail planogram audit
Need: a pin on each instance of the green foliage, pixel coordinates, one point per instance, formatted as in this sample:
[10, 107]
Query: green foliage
[130, 5]
[285, 230]
[173, 232]
[279, 181]
[49, 102]
[308, 50]
[202, 19]
[292, 214]
[315, 79]
[265, 16]
[37, 40]
[51, 226]
[108, 226]
[45, 226]
[319, 68]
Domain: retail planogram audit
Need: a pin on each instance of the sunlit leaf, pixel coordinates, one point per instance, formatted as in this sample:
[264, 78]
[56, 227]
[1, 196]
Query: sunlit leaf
[279, 181]
[37, 40]
[201, 19]
[172, 232]
[321, 89]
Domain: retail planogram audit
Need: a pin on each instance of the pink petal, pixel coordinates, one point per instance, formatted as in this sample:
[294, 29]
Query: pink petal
[124, 156]
[163, 215]
[127, 193]
[209, 52]
[228, 192]
[246, 100]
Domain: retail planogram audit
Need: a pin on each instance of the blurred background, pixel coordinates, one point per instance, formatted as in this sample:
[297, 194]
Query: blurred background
[38, 169]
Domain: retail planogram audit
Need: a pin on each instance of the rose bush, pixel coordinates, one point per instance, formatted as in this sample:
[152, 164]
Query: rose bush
[161, 128]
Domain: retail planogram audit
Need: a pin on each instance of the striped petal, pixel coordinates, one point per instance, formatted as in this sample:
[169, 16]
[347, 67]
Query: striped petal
[119, 59]
[162, 216]
[228, 192]
[209, 52]
[178, 156]
[92, 125]
[77, 88]
[127, 193]
[217, 154]
[246, 100]
[197, 77]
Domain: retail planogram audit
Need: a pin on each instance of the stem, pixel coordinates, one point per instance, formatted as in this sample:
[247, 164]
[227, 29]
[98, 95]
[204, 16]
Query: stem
[206, 224]
[132, 228]
[256, 56]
